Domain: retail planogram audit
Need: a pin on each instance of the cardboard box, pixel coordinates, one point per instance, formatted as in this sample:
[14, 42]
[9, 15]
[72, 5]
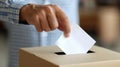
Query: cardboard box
[47, 57]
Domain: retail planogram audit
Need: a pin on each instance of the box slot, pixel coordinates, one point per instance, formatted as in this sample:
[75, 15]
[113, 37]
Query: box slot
[62, 53]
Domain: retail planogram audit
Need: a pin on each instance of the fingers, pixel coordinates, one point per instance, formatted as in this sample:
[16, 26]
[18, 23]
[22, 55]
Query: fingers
[35, 21]
[43, 21]
[51, 17]
[47, 18]
[62, 20]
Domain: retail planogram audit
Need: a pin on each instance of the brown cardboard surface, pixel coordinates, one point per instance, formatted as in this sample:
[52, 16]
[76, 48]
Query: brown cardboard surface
[46, 57]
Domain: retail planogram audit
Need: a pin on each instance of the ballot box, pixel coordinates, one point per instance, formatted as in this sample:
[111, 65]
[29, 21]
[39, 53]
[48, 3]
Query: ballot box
[52, 56]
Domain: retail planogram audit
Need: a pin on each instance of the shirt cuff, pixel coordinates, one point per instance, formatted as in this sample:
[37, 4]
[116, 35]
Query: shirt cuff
[14, 10]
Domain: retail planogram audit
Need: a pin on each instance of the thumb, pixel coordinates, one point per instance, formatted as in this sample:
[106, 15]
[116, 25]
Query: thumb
[66, 34]
[66, 30]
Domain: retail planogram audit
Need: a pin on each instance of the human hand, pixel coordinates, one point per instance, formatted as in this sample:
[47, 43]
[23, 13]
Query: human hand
[45, 17]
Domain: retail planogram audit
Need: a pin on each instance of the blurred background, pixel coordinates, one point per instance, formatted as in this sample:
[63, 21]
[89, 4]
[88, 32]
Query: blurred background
[3, 46]
[99, 18]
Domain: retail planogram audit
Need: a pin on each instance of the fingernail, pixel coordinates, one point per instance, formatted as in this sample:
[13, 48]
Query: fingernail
[66, 35]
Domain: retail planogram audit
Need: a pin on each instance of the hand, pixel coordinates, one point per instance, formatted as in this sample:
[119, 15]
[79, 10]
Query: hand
[45, 17]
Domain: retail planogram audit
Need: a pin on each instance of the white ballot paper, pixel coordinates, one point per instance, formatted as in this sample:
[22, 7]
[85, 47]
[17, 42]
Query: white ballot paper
[79, 42]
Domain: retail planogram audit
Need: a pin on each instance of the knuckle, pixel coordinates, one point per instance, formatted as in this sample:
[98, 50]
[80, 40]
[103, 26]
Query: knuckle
[54, 27]
[40, 30]
[42, 11]
[35, 16]
[47, 30]
[54, 5]
[47, 8]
